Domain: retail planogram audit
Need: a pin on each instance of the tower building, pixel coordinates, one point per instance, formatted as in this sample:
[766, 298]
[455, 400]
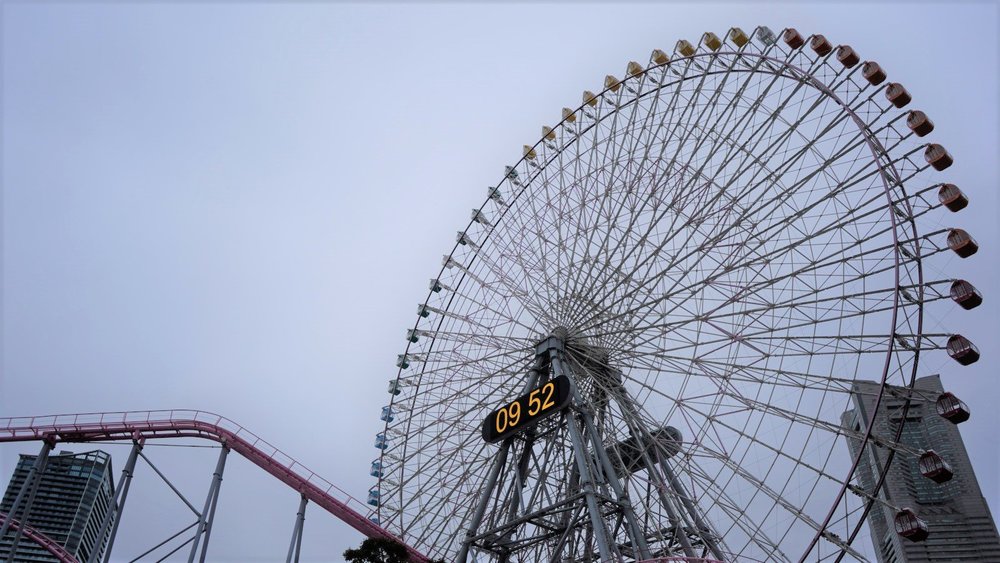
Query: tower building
[72, 497]
[940, 487]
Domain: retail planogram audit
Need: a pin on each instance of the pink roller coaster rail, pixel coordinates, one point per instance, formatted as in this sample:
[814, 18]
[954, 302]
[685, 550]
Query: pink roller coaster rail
[42, 540]
[138, 425]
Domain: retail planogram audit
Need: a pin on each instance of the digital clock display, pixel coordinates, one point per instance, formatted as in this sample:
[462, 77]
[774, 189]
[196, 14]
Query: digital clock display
[550, 398]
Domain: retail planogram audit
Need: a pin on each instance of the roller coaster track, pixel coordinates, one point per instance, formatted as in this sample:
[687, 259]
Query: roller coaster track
[166, 424]
[57, 551]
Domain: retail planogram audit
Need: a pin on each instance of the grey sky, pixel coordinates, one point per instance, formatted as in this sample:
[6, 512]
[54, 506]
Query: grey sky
[236, 207]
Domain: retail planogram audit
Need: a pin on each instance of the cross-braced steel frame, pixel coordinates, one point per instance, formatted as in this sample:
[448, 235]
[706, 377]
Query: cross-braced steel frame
[138, 427]
[584, 503]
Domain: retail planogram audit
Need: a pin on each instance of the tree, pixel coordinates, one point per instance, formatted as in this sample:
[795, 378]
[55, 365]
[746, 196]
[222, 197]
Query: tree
[378, 550]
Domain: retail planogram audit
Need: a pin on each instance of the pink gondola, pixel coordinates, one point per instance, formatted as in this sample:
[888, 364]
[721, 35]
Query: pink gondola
[909, 526]
[951, 408]
[934, 467]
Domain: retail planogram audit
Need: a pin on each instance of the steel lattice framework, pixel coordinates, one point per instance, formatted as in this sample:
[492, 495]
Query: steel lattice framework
[722, 243]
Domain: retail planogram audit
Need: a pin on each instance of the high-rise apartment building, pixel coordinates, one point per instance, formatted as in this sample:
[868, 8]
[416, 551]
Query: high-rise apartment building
[959, 525]
[73, 496]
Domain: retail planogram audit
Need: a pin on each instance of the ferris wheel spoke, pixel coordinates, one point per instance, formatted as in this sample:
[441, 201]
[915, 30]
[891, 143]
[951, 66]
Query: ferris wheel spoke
[673, 227]
[800, 153]
[504, 359]
[812, 267]
[541, 269]
[784, 503]
[488, 340]
[753, 405]
[869, 299]
[736, 511]
[614, 178]
[505, 281]
[679, 143]
[688, 131]
[814, 423]
[672, 106]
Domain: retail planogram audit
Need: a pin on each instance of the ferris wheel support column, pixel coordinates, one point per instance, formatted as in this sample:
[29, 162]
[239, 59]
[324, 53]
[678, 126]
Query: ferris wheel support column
[520, 474]
[661, 487]
[498, 462]
[638, 537]
[477, 518]
[587, 481]
[634, 421]
[600, 531]
[706, 533]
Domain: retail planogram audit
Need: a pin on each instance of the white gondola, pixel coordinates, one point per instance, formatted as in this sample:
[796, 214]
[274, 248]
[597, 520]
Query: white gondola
[394, 387]
[403, 361]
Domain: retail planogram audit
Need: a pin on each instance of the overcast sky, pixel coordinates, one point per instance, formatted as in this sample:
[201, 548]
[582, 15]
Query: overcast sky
[236, 207]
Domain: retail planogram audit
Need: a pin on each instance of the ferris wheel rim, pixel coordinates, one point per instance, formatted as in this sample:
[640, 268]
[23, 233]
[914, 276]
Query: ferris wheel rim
[891, 347]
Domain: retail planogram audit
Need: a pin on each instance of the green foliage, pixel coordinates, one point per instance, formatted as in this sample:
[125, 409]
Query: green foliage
[378, 550]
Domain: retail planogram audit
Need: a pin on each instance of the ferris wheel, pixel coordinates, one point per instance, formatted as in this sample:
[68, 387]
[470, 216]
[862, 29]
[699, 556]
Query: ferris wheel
[644, 341]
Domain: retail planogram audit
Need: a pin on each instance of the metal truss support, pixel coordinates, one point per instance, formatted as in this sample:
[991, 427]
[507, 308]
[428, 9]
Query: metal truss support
[295, 546]
[658, 482]
[600, 491]
[498, 463]
[36, 468]
[208, 512]
[484, 498]
[29, 487]
[117, 506]
[609, 471]
[587, 479]
[706, 533]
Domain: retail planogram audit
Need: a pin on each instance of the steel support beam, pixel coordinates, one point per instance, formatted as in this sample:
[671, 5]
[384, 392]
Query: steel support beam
[211, 517]
[601, 535]
[609, 472]
[37, 471]
[634, 423]
[706, 533]
[295, 546]
[498, 462]
[204, 522]
[117, 506]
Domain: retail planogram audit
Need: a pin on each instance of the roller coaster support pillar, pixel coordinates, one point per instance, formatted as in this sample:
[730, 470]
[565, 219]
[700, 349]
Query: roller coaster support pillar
[205, 519]
[295, 546]
[29, 487]
[115, 510]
